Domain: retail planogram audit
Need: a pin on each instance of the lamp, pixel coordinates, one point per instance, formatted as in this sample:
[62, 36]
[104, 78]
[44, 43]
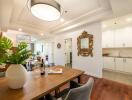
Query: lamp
[48, 10]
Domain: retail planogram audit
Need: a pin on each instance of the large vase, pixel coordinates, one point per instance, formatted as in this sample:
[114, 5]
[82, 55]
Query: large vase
[16, 75]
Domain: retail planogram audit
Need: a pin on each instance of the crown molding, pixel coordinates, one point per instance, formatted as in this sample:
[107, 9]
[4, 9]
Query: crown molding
[94, 16]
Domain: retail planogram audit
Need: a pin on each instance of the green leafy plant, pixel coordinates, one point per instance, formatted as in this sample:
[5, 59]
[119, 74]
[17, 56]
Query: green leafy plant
[5, 45]
[19, 54]
[13, 55]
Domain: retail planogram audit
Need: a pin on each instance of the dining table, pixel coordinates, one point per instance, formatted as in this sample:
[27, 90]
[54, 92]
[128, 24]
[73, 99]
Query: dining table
[37, 85]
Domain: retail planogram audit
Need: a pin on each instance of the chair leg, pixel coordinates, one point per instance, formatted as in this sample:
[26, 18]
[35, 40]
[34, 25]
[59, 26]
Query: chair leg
[79, 79]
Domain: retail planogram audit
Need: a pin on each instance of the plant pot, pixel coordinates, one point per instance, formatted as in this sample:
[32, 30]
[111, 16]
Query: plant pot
[16, 75]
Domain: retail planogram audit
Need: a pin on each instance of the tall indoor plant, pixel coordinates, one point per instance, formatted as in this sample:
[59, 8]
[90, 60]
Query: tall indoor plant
[15, 56]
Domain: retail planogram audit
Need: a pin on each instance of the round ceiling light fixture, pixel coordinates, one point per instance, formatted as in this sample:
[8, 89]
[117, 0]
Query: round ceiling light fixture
[48, 10]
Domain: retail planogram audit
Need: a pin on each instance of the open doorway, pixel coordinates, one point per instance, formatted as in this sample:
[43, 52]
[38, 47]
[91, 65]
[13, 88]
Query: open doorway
[68, 52]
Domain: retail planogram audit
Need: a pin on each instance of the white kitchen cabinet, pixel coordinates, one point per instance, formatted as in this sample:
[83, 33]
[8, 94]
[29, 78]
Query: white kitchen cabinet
[119, 38]
[128, 65]
[123, 38]
[128, 37]
[120, 64]
[109, 63]
[123, 65]
[108, 39]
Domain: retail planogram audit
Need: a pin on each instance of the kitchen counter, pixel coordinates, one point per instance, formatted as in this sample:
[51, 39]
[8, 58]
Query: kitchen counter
[117, 56]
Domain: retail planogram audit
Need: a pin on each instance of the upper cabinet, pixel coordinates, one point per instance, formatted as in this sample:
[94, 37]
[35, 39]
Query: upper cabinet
[108, 39]
[123, 37]
[117, 38]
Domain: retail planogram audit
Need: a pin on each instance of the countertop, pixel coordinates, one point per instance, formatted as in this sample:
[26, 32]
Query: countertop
[118, 56]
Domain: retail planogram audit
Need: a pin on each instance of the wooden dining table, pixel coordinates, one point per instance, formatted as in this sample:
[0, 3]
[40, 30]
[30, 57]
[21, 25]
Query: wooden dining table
[38, 85]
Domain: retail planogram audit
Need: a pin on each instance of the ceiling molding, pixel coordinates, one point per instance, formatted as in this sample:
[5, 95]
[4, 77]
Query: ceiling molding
[20, 17]
[97, 15]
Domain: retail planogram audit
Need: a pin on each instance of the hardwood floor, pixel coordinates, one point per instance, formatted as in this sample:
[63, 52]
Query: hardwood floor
[118, 77]
[108, 90]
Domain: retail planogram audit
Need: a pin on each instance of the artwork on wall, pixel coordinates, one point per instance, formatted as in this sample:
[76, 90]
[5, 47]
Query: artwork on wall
[85, 44]
[58, 45]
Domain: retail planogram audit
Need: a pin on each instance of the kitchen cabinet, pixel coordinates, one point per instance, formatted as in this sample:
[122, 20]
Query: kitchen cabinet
[119, 64]
[128, 65]
[117, 38]
[109, 63]
[123, 38]
[108, 39]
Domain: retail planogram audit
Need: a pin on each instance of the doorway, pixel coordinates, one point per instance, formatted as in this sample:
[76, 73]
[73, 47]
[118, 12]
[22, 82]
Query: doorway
[68, 52]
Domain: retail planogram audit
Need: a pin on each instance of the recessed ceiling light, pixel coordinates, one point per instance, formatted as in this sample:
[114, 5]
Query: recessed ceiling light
[129, 19]
[62, 20]
[42, 34]
[19, 29]
[104, 25]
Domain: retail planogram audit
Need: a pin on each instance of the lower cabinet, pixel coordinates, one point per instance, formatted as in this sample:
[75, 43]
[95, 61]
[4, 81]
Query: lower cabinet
[109, 63]
[128, 65]
[118, 64]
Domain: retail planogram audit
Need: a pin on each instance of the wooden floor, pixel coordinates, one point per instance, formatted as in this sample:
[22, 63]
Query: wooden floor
[118, 76]
[108, 90]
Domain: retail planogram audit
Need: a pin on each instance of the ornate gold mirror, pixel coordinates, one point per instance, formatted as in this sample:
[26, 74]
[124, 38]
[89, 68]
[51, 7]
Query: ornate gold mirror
[85, 44]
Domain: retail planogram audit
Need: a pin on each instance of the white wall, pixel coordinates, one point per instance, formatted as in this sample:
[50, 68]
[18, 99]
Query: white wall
[47, 50]
[91, 65]
[12, 34]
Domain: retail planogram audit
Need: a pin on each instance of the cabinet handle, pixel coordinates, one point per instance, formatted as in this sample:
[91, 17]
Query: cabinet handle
[114, 59]
[125, 59]
[123, 44]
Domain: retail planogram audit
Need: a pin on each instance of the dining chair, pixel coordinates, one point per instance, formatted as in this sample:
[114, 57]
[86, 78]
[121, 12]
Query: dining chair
[80, 93]
[2, 74]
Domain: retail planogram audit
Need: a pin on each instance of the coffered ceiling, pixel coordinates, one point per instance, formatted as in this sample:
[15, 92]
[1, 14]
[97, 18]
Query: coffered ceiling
[16, 14]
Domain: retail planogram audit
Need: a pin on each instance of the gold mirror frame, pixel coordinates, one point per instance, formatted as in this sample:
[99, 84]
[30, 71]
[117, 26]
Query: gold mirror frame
[85, 51]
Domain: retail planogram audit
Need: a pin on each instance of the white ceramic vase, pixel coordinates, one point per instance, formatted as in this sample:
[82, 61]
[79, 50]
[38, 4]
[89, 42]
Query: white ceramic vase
[16, 75]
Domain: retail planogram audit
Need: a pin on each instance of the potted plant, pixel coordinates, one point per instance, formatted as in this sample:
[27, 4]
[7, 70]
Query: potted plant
[15, 56]
[5, 45]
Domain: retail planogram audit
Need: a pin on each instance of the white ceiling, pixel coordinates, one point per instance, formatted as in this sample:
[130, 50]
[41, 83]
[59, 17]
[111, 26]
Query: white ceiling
[121, 7]
[118, 22]
[15, 14]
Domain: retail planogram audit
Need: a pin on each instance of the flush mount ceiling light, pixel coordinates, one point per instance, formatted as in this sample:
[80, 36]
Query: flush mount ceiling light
[48, 10]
